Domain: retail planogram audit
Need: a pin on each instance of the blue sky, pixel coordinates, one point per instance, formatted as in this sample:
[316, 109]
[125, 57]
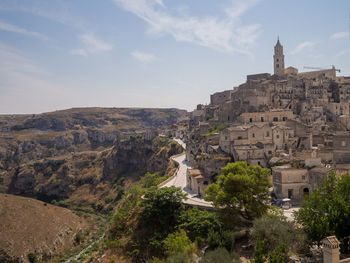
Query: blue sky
[60, 54]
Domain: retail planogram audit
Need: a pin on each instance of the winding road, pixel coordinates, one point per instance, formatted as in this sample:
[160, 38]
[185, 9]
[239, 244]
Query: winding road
[180, 180]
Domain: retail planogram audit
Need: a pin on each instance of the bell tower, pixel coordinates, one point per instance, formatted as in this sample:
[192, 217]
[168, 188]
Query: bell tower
[278, 59]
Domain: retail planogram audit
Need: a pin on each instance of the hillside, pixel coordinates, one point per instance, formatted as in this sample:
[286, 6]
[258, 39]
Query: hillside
[31, 226]
[50, 155]
[80, 159]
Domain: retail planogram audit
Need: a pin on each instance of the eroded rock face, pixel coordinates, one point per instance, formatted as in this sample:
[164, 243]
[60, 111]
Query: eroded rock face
[138, 155]
[126, 157]
[62, 142]
[100, 138]
[23, 182]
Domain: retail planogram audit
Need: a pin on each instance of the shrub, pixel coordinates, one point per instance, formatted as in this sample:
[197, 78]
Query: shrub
[276, 231]
[279, 255]
[219, 255]
[32, 258]
[260, 251]
[177, 243]
[224, 238]
[78, 238]
[180, 258]
[149, 180]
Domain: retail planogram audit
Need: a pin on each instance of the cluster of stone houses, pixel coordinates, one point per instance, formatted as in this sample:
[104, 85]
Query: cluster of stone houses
[296, 123]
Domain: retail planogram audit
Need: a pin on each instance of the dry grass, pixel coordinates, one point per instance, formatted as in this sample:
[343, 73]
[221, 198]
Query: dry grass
[31, 226]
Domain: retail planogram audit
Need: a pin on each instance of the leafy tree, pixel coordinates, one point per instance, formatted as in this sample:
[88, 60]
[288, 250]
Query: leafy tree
[219, 255]
[241, 188]
[198, 223]
[177, 242]
[162, 208]
[327, 211]
[275, 230]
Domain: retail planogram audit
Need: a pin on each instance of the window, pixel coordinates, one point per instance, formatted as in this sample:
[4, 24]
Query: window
[205, 182]
[277, 60]
[277, 66]
[289, 135]
[225, 137]
[270, 152]
[267, 134]
[250, 119]
[239, 137]
[303, 177]
[275, 118]
[253, 135]
[343, 143]
[289, 178]
[277, 136]
[262, 119]
[285, 118]
[290, 193]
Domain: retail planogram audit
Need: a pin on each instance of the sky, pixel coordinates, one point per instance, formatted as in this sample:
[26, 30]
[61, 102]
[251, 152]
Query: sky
[59, 54]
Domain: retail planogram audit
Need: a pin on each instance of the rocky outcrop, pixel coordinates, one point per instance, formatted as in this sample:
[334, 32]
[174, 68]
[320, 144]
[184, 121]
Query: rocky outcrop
[100, 138]
[127, 157]
[23, 183]
[138, 155]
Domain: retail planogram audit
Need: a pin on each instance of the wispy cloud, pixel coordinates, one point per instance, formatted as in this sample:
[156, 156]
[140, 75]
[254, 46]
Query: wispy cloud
[340, 35]
[143, 57]
[343, 52]
[13, 62]
[91, 45]
[54, 10]
[224, 34]
[15, 29]
[302, 46]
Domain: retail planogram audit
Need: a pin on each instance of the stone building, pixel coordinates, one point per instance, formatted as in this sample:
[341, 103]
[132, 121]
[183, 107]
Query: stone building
[297, 117]
[278, 59]
[296, 183]
[197, 181]
[341, 145]
[220, 97]
[278, 115]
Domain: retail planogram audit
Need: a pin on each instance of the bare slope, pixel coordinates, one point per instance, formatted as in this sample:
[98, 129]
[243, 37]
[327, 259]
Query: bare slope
[31, 226]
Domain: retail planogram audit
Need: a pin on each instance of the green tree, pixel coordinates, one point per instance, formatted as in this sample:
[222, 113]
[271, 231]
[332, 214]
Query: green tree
[149, 180]
[327, 211]
[275, 230]
[198, 223]
[162, 208]
[241, 188]
[178, 242]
